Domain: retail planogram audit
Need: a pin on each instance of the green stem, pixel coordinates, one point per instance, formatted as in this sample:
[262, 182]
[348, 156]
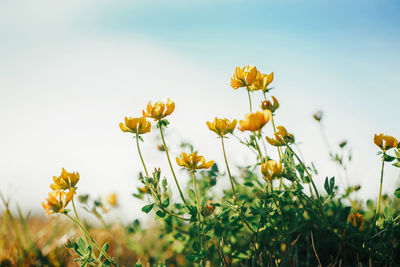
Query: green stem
[91, 239]
[140, 155]
[198, 206]
[258, 148]
[378, 207]
[78, 219]
[227, 168]
[152, 192]
[248, 93]
[170, 165]
[279, 151]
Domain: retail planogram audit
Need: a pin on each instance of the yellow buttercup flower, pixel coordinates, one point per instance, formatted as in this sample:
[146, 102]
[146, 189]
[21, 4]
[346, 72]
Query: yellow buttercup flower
[385, 142]
[160, 109]
[244, 77]
[255, 121]
[112, 199]
[282, 137]
[135, 125]
[271, 169]
[262, 81]
[193, 161]
[267, 105]
[222, 126]
[66, 180]
[57, 201]
[357, 221]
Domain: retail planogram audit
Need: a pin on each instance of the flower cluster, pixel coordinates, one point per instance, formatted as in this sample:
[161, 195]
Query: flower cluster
[222, 126]
[357, 221]
[255, 121]
[385, 142]
[193, 161]
[59, 198]
[271, 169]
[282, 137]
[251, 78]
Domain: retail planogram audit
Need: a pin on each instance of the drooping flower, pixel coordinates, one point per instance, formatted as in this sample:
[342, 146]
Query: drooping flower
[244, 77]
[267, 105]
[160, 109]
[357, 221]
[57, 201]
[222, 126]
[385, 142]
[135, 125]
[193, 161]
[271, 169]
[66, 180]
[112, 199]
[255, 121]
[282, 137]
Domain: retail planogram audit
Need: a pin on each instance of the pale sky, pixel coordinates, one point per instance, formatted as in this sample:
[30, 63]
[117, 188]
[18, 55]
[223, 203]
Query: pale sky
[70, 72]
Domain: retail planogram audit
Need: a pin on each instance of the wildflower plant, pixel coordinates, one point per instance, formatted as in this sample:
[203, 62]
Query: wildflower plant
[271, 214]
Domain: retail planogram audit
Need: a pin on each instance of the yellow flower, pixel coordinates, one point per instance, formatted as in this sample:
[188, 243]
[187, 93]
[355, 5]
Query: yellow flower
[282, 137]
[262, 81]
[143, 189]
[271, 169]
[385, 142]
[66, 180]
[357, 221]
[193, 161]
[57, 201]
[160, 109]
[112, 199]
[255, 121]
[268, 105]
[244, 77]
[222, 126]
[135, 125]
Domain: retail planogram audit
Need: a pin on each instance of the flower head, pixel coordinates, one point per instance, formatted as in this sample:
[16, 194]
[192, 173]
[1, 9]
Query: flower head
[357, 221]
[282, 137]
[271, 169]
[65, 181]
[385, 142]
[244, 77]
[135, 125]
[57, 201]
[208, 209]
[160, 109]
[112, 199]
[222, 126]
[262, 81]
[267, 105]
[193, 161]
[255, 121]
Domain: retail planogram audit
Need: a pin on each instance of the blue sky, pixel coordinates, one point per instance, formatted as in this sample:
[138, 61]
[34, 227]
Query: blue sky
[70, 72]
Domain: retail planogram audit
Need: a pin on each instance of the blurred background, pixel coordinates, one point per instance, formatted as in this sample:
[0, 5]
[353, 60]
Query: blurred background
[71, 71]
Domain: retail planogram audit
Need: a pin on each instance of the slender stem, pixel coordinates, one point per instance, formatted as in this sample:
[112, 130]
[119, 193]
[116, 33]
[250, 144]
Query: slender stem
[279, 151]
[258, 148]
[227, 168]
[91, 239]
[152, 192]
[78, 219]
[378, 207]
[245, 222]
[248, 93]
[305, 169]
[170, 165]
[198, 206]
[140, 154]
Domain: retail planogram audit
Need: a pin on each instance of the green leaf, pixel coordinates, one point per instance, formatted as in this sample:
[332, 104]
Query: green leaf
[386, 212]
[148, 208]
[160, 214]
[397, 192]
[165, 203]
[389, 158]
[138, 264]
[196, 246]
[397, 164]
[164, 184]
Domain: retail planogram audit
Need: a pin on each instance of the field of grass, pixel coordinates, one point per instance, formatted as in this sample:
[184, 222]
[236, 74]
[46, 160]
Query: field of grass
[272, 215]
